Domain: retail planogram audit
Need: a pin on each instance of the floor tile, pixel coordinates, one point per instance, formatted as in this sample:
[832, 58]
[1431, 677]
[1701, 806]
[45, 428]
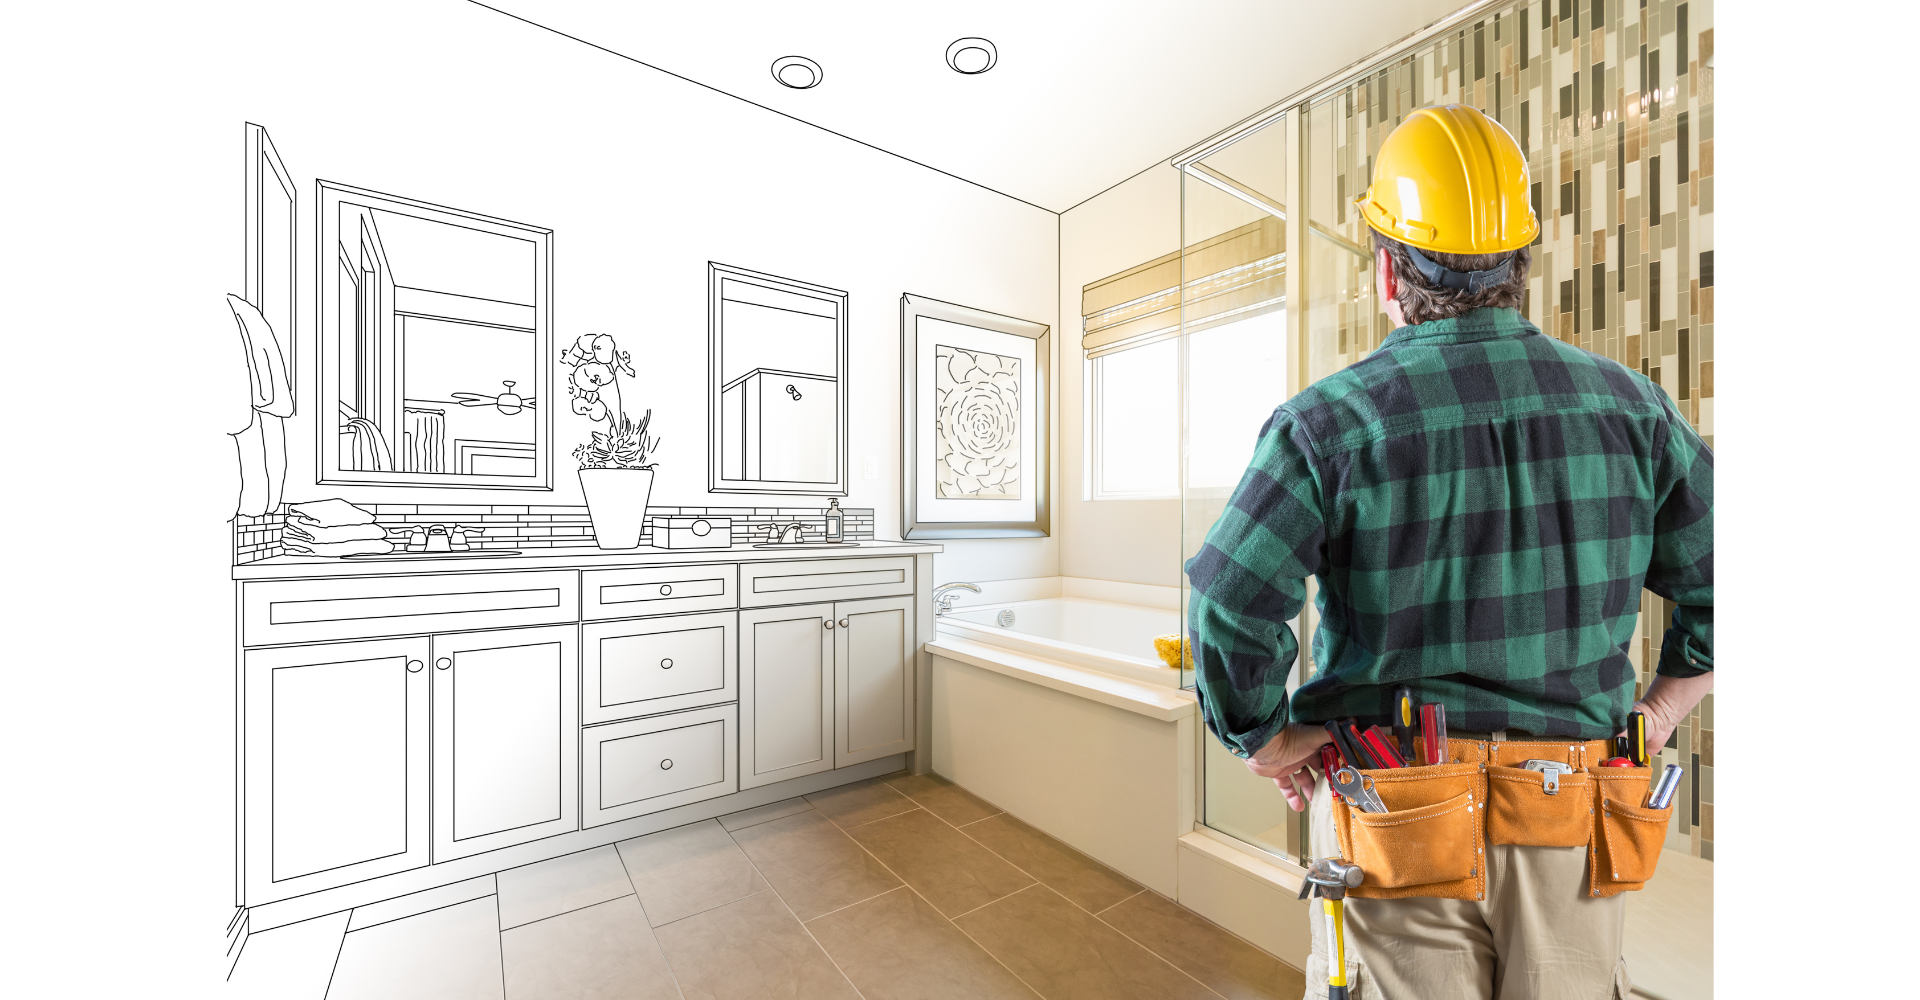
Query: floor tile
[600, 951]
[688, 869]
[452, 953]
[420, 902]
[1081, 879]
[750, 948]
[1229, 966]
[546, 888]
[1066, 954]
[954, 873]
[943, 798]
[761, 814]
[292, 962]
[814, 866]
[898, 947]
[861, 802]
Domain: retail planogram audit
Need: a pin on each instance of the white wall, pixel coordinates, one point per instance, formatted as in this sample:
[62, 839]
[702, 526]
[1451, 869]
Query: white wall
[1132, 541]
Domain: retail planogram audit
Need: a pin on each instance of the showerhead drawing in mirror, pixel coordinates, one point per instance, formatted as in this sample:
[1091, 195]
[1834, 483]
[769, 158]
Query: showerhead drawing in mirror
[435, 333]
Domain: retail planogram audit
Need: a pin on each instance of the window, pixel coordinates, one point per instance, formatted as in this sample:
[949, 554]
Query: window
[1133, 423]
[1236, 374]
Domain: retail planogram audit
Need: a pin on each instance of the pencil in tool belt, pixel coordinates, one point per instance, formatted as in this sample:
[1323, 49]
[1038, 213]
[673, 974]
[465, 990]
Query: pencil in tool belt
[1433, 732]
[1403, 721]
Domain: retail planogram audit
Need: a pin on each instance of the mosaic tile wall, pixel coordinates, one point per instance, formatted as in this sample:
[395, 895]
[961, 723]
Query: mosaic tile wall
[536, 527]
[1612, 101]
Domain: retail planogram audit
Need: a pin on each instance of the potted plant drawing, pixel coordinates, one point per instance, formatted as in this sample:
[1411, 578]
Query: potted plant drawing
[615, 473]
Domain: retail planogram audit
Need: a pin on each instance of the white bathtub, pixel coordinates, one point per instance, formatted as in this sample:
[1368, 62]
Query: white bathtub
[1112, 638]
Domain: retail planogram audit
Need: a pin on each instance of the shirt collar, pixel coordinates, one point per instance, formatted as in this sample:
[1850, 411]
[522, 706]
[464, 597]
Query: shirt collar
[1469, 326]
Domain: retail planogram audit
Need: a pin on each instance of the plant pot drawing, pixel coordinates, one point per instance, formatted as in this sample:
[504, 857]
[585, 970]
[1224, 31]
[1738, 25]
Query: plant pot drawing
[617, 502]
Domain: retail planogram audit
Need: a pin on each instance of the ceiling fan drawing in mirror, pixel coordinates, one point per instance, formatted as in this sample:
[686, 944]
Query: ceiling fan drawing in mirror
[506, 402]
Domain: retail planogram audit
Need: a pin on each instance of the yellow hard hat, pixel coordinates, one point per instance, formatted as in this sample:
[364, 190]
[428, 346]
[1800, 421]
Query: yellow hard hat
[1451, 180]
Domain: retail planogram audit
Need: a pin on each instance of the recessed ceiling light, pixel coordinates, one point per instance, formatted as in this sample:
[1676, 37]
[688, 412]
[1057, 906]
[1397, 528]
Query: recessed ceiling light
[797, 72]
[972, 56]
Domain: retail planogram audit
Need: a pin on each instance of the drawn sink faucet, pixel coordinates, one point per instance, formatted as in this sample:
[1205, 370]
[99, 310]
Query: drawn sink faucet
[789, 536]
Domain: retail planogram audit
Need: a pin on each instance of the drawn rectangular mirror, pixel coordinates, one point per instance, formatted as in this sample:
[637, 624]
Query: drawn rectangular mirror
[777, 357]
[436, 336]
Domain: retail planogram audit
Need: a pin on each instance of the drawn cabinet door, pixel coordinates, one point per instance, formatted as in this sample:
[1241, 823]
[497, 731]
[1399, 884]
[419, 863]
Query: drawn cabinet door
[872, 680]
[335, 772]
[506, 725]
[786, 693]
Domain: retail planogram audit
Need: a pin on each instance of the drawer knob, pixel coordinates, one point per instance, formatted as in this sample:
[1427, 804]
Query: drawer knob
[415, 666]
[443, 663]
[829, 624]
[666, 663]
[666, 589]
[843, 623]
[666, 765]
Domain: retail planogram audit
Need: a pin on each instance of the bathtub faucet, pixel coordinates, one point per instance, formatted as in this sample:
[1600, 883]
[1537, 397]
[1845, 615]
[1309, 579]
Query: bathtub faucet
[943, 596]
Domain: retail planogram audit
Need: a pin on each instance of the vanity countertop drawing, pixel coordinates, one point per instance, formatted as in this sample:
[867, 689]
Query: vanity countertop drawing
[582, 557]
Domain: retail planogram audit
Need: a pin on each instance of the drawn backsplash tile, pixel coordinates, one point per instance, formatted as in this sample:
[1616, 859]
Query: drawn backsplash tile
[540, 527]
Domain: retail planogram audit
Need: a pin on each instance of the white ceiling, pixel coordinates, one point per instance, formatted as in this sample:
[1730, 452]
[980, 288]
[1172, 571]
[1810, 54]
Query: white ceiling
[1085, 94]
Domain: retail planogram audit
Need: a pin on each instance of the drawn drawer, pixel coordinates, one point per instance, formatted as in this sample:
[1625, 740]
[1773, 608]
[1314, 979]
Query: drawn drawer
[768, 584]
[654, 665]
[631, 593]
[633, 768]
[281, 611]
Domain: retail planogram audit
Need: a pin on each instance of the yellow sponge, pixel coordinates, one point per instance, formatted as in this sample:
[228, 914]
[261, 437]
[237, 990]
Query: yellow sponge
[1173, 650]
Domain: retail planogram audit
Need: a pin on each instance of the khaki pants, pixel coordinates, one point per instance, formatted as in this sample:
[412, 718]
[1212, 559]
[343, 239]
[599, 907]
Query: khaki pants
[1535, 937]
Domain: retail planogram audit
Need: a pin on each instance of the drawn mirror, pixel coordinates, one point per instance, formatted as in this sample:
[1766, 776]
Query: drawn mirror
[975, 438]
[436, 355]
[777, 357]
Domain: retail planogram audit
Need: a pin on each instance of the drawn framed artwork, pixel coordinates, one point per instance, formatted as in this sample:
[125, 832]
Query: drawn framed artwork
[975, 411]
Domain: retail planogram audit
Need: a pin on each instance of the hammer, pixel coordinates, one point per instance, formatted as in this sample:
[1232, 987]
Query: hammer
[1329, 879]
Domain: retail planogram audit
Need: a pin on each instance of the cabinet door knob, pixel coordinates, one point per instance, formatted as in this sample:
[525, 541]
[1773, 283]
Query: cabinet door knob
[829, 624]
[666, 765]
[843, 623]
[666, 663]
[443, 663]
[415, 666]
[666, 589]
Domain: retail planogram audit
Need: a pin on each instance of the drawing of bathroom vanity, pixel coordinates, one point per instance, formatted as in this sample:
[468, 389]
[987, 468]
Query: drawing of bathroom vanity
[410, 724]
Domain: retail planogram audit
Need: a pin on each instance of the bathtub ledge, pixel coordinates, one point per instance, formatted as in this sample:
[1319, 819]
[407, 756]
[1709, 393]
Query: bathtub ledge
[1159, 703]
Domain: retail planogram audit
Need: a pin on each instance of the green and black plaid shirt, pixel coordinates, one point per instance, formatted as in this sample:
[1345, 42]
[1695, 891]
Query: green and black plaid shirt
[1482, 505]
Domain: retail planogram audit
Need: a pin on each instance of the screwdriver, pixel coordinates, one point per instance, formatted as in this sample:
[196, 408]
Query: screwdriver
[1403, 721]
[1433, 731]
[1637, 740]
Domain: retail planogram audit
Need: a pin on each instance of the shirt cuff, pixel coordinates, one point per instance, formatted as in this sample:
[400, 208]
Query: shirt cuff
[1678, 658]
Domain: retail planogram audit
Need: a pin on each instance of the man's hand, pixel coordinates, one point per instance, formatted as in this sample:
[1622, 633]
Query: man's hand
[1669, 700]
[1284, 759]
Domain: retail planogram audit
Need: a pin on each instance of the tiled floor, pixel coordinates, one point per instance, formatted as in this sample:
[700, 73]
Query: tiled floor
[898, 888]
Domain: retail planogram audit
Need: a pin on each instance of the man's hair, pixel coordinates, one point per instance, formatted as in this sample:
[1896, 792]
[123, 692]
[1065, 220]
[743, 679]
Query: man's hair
[1422, 301]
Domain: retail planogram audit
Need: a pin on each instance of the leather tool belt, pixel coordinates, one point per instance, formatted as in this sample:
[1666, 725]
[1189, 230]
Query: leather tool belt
[1440, 819]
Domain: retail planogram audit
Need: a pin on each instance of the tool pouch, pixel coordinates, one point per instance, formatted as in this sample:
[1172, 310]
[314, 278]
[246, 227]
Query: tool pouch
[1427, 843]
[1627, 836]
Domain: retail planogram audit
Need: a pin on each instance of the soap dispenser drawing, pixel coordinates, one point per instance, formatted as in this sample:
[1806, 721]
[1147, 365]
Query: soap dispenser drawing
[834, 522]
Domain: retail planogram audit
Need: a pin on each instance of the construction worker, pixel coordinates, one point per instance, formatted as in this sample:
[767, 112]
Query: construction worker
[1481, 505]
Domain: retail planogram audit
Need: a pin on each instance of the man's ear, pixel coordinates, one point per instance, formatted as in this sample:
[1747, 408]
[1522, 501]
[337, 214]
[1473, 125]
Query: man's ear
[1389, 282]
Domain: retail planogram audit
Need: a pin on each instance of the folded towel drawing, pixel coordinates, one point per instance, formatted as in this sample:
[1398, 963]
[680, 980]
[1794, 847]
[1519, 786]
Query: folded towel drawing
[327, 514]
[364, 546]
[345, 533]
[1172, 649]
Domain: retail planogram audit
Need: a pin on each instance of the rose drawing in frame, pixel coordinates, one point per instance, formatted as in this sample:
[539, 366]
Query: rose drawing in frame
[976, 425]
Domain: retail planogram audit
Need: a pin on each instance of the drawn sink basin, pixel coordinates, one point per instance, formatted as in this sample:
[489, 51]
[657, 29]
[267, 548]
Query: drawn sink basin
[805, 545]
[406, 556]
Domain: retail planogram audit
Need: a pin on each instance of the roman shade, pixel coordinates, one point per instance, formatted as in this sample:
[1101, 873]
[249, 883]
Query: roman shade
[1233, 276]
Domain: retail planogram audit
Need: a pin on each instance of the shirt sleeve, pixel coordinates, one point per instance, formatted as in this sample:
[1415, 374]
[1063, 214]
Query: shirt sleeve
[1248, 579]
[1681, 567]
